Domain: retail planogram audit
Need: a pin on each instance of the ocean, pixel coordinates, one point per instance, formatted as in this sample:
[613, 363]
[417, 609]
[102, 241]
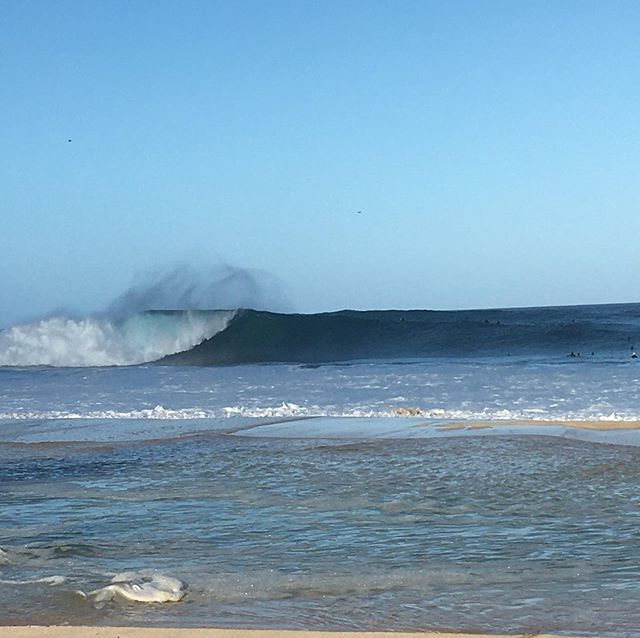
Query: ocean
[462, 470]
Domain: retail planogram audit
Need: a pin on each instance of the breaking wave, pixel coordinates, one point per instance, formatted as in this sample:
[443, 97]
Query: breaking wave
[226, 337]
[94, 341]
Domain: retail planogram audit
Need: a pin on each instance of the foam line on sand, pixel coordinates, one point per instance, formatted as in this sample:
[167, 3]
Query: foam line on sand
[155, 632]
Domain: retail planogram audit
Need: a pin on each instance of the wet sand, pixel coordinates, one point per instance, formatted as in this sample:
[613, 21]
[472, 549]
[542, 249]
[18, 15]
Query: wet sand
[581, 425]
[154, 632]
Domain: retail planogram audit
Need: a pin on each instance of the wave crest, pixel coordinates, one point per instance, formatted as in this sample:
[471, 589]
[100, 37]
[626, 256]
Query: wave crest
[94, 341]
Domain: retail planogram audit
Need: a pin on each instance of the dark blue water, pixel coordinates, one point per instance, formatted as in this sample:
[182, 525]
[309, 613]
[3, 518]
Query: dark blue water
[258, 337]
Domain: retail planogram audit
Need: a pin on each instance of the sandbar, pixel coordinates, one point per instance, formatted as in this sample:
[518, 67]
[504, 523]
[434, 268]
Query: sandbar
[581, 425]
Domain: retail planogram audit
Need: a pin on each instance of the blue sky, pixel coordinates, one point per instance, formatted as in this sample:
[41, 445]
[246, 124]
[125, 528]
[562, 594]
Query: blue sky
[492, 147]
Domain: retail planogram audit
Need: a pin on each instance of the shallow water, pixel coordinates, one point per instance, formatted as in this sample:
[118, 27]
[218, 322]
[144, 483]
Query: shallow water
[218, 478]
[487, 533]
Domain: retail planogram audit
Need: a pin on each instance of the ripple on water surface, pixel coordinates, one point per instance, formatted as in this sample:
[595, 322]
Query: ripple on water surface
[497, 534]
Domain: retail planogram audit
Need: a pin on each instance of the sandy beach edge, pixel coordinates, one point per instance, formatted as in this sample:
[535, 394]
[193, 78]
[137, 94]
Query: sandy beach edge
[66, 631]
[536, 423]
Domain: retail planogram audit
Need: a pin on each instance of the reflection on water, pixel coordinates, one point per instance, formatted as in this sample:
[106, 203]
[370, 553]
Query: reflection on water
[491, 534]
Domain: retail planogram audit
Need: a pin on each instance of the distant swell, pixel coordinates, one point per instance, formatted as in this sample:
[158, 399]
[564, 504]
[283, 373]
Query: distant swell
[93, 341]
[260, 337]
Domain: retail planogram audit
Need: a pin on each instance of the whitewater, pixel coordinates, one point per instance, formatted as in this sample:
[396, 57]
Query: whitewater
[100, 341]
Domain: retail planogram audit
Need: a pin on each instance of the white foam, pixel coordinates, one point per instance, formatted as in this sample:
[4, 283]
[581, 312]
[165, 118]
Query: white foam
[158, 412]
[284, 410]
[61, 341]
[142, 588]
[293, 410]
[50, 580]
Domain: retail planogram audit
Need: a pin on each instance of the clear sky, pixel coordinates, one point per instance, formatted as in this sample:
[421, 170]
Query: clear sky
[493, 148]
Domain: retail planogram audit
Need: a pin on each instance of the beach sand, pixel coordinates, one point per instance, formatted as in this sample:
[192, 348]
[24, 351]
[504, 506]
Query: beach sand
[582, 425]
[154, 632]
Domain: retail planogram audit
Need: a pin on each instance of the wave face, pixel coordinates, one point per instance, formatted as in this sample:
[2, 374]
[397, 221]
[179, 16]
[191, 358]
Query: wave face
[224, 337]
[93, 341]
[261, 337]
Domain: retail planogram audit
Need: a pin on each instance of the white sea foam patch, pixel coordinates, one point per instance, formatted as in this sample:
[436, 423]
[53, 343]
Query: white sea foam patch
[141, 587]
[49, 580]
[283, 410]
[294, 410]
[157, 412]
[92, 341]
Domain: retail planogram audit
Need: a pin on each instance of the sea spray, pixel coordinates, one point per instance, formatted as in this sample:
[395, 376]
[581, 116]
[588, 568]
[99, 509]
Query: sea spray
[96, 341]
[190, 288]
[163, 312]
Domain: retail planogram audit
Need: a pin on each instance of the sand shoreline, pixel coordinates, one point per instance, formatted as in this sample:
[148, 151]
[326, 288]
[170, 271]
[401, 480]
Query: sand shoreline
[581, 425]
[66, 631]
